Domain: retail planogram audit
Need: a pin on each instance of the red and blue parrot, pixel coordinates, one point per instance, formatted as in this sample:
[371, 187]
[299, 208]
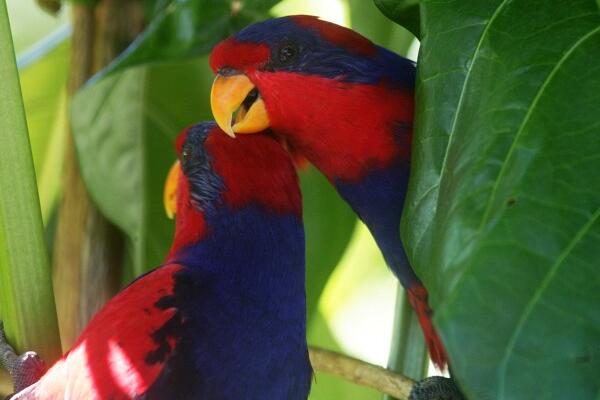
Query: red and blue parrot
[344, 104]
[224, 316]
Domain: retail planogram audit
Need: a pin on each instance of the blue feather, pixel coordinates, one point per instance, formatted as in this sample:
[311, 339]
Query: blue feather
[376, 199]
[320, 57]
[241, 306]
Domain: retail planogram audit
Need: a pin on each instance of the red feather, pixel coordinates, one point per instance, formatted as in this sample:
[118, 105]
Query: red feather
[254, 186]
[360, 142]
[107, 361]
[237, 55]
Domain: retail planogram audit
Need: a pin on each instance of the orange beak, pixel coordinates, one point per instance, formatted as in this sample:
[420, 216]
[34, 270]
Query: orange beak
[170, 190]
[237, 105]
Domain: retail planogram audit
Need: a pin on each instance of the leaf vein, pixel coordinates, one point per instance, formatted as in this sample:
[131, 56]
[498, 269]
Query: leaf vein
[461, 99]
[538, 295]
[519, 134]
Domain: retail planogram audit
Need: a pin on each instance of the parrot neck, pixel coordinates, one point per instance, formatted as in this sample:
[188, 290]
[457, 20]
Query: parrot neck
[377, 201]
[241, 294]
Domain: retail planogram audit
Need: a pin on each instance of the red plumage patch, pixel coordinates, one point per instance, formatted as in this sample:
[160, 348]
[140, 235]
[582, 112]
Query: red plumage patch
[181, 140]
[338, 35]
[356, 122]
[256, 170]
[108, 359]
[190, 225]
[238, 55]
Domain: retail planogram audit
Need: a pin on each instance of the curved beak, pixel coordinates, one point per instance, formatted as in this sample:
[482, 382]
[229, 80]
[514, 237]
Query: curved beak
[237, 105]
[170, 190]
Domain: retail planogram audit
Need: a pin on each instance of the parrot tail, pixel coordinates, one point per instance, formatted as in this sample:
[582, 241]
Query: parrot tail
[417, 295]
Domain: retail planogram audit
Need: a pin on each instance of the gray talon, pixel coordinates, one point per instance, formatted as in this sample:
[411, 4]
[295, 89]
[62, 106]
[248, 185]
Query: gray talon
[436, 388]
[25, 369]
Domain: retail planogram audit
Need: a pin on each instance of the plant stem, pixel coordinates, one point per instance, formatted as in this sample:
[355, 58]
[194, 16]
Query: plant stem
[88, 251]
[408, 354]
[26, 299]
[361, 373]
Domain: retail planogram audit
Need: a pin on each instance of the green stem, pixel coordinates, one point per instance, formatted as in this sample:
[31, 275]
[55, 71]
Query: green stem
[26, 298]
[408, 355]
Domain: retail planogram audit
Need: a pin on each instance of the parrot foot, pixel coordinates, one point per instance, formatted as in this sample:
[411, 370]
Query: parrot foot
[436, 388]
[25, 369]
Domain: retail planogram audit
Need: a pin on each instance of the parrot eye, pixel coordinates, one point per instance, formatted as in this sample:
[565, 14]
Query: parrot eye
[287, 54]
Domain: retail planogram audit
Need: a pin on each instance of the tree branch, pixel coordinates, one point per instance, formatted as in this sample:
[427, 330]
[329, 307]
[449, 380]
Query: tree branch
[360, 372]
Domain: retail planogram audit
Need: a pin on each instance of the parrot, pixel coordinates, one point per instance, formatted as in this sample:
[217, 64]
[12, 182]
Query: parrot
[344, 104]
[224, 317]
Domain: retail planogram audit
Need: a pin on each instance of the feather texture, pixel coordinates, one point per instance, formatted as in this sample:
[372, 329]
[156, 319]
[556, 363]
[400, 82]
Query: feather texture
[224, 317]
[347, 106]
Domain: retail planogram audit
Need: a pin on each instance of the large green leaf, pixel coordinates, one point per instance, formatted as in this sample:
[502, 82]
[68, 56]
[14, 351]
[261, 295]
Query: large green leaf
[368, 21]
[26, 300]
[503, 211]
[182, 29]
[45, 107]
[124, 128]
[404, 12]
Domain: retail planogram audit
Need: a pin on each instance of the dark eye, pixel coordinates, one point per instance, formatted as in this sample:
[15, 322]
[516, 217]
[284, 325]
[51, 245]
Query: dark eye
[287, 54]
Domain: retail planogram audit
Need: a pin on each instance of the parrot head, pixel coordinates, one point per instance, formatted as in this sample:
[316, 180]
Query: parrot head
[217, 174]
[324, 88]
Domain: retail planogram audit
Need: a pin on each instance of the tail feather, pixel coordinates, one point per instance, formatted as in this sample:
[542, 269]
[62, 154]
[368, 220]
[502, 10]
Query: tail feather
[418, 296]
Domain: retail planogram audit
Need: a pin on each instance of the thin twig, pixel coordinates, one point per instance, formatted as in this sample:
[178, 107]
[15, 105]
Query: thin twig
[361, 373]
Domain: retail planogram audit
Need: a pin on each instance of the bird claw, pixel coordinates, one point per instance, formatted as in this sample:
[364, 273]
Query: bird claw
[436, 388]
[25, 369]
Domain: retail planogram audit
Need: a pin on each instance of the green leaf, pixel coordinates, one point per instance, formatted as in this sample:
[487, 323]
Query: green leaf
[46, 108]
[404, 12]
[408, 353]
[26, 300]
[124, 129]
[368, 21]
[188, 28]
[503, 210]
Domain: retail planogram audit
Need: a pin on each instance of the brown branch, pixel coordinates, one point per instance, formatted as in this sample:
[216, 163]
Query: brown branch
[361, 372]
[88, 249]
[74, 206]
